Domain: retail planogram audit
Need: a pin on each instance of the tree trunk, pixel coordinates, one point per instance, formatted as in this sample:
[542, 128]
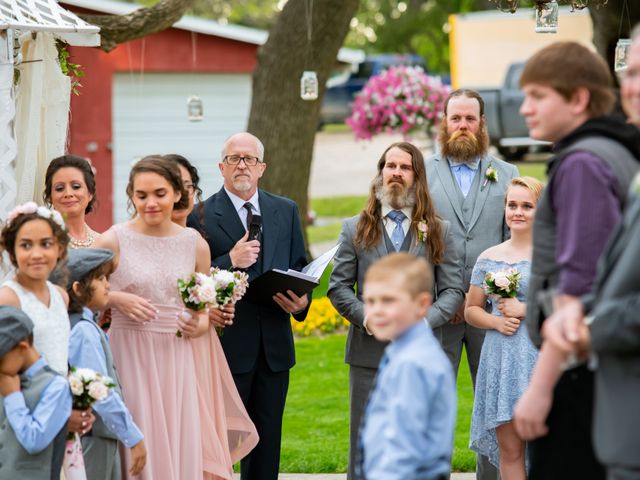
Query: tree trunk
[610, 19]
[115, 29]
[284, 122]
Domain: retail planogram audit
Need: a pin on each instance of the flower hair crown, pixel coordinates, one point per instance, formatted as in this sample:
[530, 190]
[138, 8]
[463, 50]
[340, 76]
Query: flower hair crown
[32, 207]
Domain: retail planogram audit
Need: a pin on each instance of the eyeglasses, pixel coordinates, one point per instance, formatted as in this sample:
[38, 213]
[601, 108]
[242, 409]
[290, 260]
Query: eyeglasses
[249, 160]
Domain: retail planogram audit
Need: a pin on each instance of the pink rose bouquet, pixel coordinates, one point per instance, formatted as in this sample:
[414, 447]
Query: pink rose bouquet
[215, 290]
[400, 99]
[503, 283]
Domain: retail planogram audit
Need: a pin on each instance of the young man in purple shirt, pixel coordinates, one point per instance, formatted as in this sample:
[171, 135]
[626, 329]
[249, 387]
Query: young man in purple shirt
[567, 95]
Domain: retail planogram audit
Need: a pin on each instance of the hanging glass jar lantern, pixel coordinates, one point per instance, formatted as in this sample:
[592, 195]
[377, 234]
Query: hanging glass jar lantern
[622, 51]
[309, 85]
[195, 110]
[547, 17]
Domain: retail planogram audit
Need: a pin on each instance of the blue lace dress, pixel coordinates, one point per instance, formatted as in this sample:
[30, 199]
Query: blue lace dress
[506, 363]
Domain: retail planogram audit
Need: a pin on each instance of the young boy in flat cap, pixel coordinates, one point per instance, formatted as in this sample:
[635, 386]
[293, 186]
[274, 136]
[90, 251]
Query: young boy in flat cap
[88, 288]
[35, 404]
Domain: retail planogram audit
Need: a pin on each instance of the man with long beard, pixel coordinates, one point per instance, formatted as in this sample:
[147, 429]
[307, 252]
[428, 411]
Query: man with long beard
[399, 216]
[468, 186]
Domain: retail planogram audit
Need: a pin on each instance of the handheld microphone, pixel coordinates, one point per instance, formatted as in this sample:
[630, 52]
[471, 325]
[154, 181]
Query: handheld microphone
[255, 227]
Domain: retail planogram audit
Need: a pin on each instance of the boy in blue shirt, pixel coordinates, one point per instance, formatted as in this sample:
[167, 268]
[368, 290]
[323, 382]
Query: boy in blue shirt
[35, 404]
[88, 288]
[410, 418]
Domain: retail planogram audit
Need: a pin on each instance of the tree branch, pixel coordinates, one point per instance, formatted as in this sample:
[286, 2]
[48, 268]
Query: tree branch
[115, 29]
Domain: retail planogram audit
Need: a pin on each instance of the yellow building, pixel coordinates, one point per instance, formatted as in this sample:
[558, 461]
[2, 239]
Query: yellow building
[484, 44]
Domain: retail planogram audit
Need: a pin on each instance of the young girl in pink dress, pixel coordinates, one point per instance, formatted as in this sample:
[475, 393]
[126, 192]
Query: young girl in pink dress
[179, 413]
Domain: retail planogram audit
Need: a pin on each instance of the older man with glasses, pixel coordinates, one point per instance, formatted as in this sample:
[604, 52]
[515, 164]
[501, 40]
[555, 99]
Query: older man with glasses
[259, 343]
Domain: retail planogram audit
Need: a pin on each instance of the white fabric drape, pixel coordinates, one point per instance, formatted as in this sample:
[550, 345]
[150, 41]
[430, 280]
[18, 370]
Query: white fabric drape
[42, 114]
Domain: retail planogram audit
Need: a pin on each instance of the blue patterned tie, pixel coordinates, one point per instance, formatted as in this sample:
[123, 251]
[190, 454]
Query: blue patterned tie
[397, 237]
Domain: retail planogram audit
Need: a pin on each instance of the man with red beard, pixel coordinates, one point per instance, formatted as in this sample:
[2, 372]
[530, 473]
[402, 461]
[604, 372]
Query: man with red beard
[399, 216]
[468, 187]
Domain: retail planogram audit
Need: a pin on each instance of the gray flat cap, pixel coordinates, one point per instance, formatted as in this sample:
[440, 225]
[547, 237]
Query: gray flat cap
[15, 325]
[82, 260]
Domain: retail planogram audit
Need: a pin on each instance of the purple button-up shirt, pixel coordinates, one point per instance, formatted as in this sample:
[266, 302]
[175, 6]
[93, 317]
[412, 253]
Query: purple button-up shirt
[584, 197]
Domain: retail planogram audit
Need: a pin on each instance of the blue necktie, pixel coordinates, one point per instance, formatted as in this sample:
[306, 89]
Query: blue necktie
[397, 236]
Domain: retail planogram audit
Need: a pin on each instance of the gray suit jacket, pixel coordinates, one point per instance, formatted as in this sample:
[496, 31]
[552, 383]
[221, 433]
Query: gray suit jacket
[615, 334]
[485, 226]
[349, 268]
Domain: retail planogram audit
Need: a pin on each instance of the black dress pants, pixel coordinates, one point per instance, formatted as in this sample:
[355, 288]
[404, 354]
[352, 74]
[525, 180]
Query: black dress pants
[566, 452]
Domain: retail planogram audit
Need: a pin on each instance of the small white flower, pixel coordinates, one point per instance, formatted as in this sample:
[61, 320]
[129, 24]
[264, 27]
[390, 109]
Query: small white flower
[75, 382]
[98, 390]
[501, 280]
[86, 374]
[223, 278]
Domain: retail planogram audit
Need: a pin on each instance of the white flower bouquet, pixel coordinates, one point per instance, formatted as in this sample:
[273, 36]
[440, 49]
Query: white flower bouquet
[87, 387]
[215, 290]
[503, 283]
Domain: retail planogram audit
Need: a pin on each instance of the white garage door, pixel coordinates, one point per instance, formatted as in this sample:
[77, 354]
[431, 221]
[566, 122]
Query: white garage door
[150, 117]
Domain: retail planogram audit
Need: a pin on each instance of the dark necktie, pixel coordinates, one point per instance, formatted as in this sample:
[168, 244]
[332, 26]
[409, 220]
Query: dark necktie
[248, 206]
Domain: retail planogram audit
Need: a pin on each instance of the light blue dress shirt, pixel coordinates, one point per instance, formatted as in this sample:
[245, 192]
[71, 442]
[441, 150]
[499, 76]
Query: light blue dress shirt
[464, 174]
[85, 351]
[36, 430]
[410, 418]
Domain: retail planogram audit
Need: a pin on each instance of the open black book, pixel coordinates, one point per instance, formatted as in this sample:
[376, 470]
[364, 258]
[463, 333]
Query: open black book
[263, 288]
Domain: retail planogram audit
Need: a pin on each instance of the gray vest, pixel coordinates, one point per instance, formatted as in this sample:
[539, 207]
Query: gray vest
[406, 243]
[99, 428]
[15, 461]
[544, 269]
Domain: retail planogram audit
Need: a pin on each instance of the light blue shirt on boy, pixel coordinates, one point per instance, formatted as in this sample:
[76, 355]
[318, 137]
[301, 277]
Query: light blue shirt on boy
[464, 173]
[85, 351]
[36, 430]
[410, 418]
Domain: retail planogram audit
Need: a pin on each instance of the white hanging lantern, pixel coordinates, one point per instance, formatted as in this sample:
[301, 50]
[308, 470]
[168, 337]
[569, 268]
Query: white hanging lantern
[309, 86]
[622, 51]
[195, 109]
[547, 17]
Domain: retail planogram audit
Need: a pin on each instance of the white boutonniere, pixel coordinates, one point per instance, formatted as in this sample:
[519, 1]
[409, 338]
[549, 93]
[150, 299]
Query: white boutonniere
[490, 175]
[635, 185]
[422, 230]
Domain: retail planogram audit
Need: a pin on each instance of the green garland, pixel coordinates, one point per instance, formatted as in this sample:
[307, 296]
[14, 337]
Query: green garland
[73, 70]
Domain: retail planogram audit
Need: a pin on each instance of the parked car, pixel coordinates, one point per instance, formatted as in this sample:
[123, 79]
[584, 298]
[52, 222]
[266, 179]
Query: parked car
[341, 90]
[507, 128]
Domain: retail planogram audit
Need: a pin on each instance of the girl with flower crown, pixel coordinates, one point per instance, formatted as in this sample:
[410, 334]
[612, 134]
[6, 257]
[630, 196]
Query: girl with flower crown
[35, 239]
[508, 356]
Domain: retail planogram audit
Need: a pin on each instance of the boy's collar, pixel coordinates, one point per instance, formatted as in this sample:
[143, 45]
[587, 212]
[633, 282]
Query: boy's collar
[88, 314]
[34, 368]
[406, 336]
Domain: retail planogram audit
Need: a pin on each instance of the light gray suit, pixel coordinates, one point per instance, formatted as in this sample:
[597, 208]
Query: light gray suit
[363, 352]
[615, 336]
[477, 222]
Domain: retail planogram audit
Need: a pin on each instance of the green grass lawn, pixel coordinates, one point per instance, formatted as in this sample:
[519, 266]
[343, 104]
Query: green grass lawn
[315, 435]
[533, 169]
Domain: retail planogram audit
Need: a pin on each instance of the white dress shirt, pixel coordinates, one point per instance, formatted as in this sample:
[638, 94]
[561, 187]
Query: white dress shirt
[238, 204]
[389, 224]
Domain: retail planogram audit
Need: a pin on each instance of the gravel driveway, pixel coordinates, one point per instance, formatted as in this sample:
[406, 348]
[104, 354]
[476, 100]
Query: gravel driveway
[343, 165]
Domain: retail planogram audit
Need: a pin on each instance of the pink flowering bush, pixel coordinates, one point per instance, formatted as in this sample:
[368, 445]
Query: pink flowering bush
[400, 99]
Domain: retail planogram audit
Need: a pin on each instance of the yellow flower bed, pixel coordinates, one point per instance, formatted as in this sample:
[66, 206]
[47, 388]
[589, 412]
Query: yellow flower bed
[322, 318]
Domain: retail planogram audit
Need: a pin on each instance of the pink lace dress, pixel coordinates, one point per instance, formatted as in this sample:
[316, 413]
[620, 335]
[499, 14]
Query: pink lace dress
[180, 391]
